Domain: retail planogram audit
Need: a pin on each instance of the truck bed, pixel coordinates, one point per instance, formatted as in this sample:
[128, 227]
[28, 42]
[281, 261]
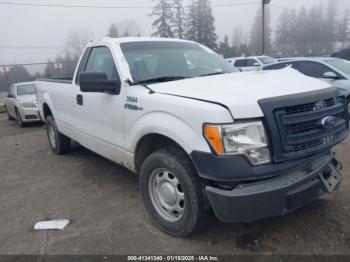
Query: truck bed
[67, 80]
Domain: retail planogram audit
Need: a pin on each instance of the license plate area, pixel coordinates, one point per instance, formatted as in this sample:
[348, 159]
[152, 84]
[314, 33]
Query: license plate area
[331, 178]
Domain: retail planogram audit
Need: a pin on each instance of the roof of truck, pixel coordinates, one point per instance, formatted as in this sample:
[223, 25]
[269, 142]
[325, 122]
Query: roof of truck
[120, 40]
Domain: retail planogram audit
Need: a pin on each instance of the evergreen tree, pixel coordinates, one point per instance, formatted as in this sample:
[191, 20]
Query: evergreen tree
[237, 37]
[201, 24]
[281, 37]
[329, 28]
[343, 29]
[164, 18]
[192, 21]
[225, 49]
[315, 37]
[301, 31]
[244, 50]
[113, 31]
[179, 19]
[256, 34]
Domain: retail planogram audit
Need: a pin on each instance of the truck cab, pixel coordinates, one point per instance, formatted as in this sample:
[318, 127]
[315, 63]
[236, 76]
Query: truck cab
[199, 135]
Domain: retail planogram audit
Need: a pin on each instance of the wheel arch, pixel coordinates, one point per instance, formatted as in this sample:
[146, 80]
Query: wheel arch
[149, 144]
[46, 111]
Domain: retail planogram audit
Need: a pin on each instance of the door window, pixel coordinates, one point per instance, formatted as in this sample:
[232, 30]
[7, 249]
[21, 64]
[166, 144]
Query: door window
[252, 62]
[101, 61]
[276, 66]
[241, 63]
[313, 69]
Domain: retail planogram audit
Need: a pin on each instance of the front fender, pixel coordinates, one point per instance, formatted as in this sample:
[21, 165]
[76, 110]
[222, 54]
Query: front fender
[169, 125]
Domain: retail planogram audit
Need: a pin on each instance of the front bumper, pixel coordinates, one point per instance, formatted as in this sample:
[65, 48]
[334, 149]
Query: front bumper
[29, 114]
[271, 197]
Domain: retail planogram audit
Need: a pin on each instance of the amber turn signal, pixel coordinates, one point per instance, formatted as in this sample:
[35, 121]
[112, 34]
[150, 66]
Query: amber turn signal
[213, 136]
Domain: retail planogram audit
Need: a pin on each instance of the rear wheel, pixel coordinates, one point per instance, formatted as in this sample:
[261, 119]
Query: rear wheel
[59, 143]
[172, 192]
[19, 119]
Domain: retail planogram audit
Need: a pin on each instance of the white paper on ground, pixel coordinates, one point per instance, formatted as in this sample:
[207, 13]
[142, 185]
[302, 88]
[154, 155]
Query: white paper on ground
[52, 224]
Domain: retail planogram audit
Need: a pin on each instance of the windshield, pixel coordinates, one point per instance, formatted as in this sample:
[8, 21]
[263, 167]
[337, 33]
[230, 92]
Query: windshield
[341, 65]
[266, 60]
[169, 61]
[28, 89]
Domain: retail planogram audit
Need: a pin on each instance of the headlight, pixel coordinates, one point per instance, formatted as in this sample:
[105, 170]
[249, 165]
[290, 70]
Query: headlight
[28, 105]
[247, 139]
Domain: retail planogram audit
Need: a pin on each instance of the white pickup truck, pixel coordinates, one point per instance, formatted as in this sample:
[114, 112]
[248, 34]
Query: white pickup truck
[246, 145]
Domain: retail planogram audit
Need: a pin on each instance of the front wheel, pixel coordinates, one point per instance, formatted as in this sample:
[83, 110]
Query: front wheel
[59, 143]
[19, 119]
[172, 192]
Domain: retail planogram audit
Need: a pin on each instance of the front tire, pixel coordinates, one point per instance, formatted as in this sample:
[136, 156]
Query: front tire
[172, 192]
[59, 143]
[19, 119]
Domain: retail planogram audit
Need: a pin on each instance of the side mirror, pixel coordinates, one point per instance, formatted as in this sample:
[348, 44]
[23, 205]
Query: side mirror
[256, 64]
[98, 83]
[330, 75]
[10, 96]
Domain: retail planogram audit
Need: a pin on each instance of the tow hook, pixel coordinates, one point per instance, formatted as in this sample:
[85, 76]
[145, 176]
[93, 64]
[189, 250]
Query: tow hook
[337, 164]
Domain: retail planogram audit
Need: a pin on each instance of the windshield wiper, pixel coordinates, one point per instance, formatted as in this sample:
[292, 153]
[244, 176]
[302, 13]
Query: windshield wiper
[215, 73]
[161, 79]
[151, 91]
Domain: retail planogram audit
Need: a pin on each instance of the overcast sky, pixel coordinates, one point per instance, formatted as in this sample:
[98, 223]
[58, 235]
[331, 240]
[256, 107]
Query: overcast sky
[24, 26]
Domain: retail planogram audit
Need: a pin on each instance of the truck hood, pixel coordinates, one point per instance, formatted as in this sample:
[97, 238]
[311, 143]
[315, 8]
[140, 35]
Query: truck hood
[240, 92]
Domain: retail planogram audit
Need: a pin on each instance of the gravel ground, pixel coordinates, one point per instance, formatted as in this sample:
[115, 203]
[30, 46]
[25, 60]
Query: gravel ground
[107, 215]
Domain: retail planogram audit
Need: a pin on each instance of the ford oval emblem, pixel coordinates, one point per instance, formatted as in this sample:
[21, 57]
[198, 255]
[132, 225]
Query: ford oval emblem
[328, 122]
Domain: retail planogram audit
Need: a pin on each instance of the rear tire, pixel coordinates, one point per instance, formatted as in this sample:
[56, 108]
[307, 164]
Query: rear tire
[59, 143]
[172, 192]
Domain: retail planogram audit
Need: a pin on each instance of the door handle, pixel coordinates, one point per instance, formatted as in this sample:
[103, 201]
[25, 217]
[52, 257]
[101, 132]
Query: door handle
[80, 100]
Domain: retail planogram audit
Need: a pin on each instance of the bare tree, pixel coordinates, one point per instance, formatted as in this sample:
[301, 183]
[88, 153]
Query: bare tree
[77, 40]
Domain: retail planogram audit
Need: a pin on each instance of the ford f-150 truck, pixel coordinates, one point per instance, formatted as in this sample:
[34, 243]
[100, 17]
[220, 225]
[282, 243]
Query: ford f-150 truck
[201, 136]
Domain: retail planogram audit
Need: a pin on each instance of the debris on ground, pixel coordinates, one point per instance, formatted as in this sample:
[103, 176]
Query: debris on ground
[51, 224]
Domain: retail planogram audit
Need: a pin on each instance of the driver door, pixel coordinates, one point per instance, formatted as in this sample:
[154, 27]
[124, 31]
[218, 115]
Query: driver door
[101, 115]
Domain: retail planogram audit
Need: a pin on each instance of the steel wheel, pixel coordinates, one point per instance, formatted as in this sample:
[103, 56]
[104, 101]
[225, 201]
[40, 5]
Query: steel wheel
[166, 195]
[52, 137]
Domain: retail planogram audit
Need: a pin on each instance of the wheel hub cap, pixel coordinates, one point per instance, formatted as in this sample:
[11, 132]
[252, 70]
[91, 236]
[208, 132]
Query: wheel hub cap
[167, 196]
[167, 193]
[52, 137]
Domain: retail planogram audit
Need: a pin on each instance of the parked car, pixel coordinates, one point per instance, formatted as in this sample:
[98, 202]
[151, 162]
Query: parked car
[333, 70]
[251, 63]
[199, 135]
[21, 103]
[344, 54]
